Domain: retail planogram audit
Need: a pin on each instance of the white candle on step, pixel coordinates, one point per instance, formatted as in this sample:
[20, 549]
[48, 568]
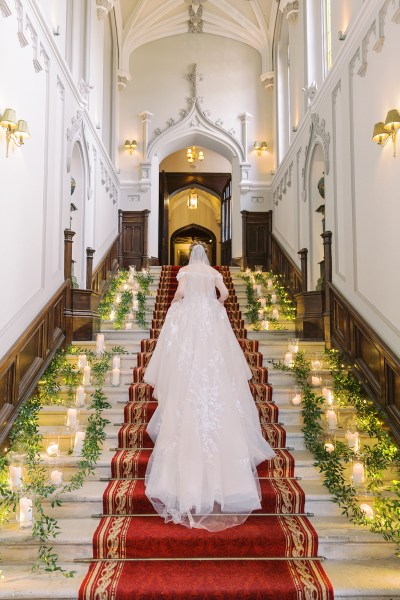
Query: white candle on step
[316, 380]
[358, 473]
[265, 325]
[15, 474]
[86, 375]
[100, 343]
[80, 396]
[56, 477]
[275, 313]
[260, 314]
[112, 315]
[72, 417]
[52, 449]
[118, 298]
[135, 305]
[288, 359]
[78, 443]
[296, 400]
[128, 325]
[331, 419]
[116, 363]
[115, 377]
[353, 440]
[316, 365]
[367, 510]
[273, 298]
[262, 302]
[270, 284]
[328, 395]
[258, 290]
[25, 512]
[82, 361]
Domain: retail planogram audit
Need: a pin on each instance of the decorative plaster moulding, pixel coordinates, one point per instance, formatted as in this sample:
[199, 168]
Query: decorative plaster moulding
[290, 10]
[268, 79]
[318, 135]
[103, 7]
[4, 8]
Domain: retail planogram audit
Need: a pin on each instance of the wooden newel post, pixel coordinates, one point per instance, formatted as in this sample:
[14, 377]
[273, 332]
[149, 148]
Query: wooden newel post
[245, 214]
[327, 239]
[145, 257]
[89, 267]
[304, 276]
[269, 239]
[68, 241]
[120, 239]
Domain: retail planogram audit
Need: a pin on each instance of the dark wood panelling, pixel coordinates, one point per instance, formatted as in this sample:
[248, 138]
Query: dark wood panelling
[309, 322]
[375, 364]
[25, 362]
[254, 238]
[214, 182]
[133, 239]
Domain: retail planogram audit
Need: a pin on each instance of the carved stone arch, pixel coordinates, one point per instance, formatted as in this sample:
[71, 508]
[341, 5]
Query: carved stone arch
[318, 135]
[195, 124]
[76, 134]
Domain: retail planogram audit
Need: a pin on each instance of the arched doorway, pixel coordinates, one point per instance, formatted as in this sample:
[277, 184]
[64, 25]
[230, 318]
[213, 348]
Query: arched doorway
[182, 238]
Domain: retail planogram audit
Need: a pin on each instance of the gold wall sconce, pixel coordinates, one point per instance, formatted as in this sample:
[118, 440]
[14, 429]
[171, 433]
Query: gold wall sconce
[130, 145]
[388, 129]
[261, 147]
[16, 131]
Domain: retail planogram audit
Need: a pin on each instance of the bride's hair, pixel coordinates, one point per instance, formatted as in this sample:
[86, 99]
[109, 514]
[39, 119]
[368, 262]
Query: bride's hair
[198, 243]
[198, 253]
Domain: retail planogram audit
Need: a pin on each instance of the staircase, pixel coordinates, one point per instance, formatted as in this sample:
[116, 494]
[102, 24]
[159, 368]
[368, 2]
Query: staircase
[358, 563]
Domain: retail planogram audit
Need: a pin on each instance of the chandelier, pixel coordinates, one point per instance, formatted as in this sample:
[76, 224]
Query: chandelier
[192, 155]
[192, 199]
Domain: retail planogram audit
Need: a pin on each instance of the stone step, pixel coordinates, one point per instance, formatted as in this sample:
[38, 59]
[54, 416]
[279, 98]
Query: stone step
[351, 580]
[338, 540]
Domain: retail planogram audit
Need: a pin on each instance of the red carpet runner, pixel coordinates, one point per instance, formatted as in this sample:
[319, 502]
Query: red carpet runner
[139, 557]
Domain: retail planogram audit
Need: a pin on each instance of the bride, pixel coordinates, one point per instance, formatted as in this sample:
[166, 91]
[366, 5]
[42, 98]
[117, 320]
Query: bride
[206, 429]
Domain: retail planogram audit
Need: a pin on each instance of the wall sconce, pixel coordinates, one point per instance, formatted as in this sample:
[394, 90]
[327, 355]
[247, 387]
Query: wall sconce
[388, 129]
[192, 199]
[57, 31]
[16, 131]
[130, 145]
[341, 35]
[261, 147]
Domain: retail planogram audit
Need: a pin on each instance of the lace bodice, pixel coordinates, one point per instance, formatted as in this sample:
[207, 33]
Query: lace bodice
[198, 282]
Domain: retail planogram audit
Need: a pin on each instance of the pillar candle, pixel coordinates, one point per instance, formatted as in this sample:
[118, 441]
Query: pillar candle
[262, 302]
[273, 298]
[316, 380]
[72, 417]
[115, 377]
[260, 314]
[112, 315]
[329, 447]
[293, 348]
[126, 287]
[56, 477]
[316, 365]
[367, 510]
[275, 313]
[25, 512]
[80, 396]
[353, 440]
[116, 363]
[15, 474]
[265, 325]
[130, 316]
[358, 473]
[328, 395]
[288, 359]
[118, 298]
[331, 419]
[270, 284]
[296, 399]
[86, 375]
[135, 305]
[258, 288]
[82, 361]
[52, 449]
[128, 325]
[100, 343]
[78, 443]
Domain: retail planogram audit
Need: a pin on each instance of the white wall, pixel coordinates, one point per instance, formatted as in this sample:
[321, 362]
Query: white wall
[362, 187]
[35, 180]
[230, 87]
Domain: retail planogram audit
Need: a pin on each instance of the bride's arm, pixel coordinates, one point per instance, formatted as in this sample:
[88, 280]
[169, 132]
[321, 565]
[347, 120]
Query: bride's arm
[219, 284]
[180, 292]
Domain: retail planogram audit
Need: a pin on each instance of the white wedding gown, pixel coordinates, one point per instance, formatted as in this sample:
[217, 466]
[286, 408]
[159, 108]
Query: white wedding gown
[206, 429]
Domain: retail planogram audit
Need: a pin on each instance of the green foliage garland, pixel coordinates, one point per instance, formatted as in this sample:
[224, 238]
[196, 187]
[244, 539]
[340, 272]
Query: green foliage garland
[25, 439]
[284, 303]
[143, 279]
[377, 457]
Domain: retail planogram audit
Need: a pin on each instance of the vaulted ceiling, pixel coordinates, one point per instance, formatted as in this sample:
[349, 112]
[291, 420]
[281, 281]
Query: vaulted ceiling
[248, 21]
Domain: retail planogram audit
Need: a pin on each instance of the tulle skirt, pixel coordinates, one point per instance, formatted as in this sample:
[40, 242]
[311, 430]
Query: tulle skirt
[206, 429]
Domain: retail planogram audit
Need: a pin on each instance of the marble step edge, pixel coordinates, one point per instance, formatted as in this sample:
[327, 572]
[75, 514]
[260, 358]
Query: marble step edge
[352, 580]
